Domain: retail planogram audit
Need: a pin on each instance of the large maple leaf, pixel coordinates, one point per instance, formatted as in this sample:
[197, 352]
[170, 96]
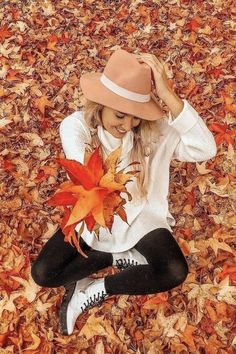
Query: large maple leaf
[92, 196]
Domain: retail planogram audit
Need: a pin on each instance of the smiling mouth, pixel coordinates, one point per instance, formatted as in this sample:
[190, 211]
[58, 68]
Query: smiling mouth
[121, 131]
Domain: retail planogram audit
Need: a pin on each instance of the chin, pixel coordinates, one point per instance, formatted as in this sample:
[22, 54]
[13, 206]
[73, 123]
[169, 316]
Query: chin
[118, 135]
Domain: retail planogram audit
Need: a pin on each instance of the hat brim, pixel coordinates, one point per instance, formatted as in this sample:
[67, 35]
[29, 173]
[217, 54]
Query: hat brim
[95, 91]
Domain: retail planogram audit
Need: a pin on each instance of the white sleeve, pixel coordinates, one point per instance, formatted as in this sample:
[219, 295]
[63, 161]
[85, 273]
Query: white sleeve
[196, 142]
[74, 138]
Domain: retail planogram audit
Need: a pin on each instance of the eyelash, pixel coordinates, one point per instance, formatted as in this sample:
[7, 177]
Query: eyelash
[124, 116]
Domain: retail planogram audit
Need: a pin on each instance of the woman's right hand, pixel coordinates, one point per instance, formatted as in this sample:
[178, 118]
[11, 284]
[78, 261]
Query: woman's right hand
[159, 75]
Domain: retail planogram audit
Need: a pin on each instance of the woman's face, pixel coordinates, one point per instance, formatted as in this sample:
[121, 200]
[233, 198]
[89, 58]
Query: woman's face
[118, 123]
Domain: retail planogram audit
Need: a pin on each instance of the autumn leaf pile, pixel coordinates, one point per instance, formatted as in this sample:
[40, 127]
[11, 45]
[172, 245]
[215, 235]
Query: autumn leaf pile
[94, 192]
[44, 48]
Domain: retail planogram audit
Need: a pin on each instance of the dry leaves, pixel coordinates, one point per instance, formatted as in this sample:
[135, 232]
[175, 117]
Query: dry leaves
[44, 48]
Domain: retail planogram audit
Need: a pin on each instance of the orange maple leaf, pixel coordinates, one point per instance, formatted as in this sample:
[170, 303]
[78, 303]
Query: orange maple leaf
[194, 24]
[223, 133]
[42, 102]
[92, 195]
[228, 269]
[4, 33]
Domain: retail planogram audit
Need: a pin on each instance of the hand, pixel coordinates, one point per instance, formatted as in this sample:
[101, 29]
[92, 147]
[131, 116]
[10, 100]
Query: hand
[96, 227]
[162, 84]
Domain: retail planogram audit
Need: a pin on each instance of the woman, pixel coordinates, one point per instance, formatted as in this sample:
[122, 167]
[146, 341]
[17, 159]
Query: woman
[121, 109]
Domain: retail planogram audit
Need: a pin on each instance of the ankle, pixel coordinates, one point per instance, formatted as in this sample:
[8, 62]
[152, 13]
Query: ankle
[111, 259]
[106, 285]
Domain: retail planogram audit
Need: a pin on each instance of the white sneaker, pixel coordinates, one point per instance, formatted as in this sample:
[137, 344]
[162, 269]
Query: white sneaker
[80, 296]
[128, 258]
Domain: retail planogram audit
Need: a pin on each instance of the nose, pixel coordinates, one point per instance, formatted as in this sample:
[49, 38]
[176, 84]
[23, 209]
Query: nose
[128, 124]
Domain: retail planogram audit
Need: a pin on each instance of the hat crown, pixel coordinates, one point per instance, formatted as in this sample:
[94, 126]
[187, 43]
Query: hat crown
[125, 85]
[125, 71]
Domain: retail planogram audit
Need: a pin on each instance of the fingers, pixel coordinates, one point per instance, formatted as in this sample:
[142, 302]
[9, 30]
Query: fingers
[154, 65]
[157, 65]
[152, 58]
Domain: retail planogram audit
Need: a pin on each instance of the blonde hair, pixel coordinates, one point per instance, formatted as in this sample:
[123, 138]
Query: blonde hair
[145, 134]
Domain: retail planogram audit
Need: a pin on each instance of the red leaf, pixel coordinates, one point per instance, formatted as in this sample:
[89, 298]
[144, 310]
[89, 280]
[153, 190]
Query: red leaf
[194, 24]
[62, 198]
[4, 33]
[95, 165]
[219, 128]
[65, 217]
[215, 72]
[3, 339]
[78, 173]
[8, 165]
[122, 214]
[224, 134]
[228, 269]
[40, 176]
[90, 222]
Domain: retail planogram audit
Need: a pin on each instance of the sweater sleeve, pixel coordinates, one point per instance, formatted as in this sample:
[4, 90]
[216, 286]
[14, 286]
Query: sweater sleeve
[196, 142]
[74, 137]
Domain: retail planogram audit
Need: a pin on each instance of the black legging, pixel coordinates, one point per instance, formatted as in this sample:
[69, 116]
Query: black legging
[59, 263]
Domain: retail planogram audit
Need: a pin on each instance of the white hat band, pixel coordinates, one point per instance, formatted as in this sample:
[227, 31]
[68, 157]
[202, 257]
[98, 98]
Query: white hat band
[123, 92]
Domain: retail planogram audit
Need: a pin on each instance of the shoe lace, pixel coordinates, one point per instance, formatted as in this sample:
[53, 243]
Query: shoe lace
[95, 300]
[123, 263]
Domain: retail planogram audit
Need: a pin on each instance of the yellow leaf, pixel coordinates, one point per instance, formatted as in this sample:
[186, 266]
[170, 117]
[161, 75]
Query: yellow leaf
[108, 181]
[112, 160]
[202, 168]
[98, 325]
[36, 342]
[215, 245]
[122, 178]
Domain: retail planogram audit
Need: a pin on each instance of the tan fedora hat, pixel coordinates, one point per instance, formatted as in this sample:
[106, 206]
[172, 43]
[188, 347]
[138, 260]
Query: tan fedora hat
[125, 85]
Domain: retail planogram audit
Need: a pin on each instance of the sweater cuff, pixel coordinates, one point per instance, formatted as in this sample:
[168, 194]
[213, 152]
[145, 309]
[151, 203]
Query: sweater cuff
[185, 120]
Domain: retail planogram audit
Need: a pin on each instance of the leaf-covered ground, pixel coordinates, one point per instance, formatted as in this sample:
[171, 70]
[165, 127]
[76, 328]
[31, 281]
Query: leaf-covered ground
[44, 48]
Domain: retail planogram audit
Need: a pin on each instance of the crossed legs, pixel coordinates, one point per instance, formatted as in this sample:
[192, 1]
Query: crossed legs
[59, 263]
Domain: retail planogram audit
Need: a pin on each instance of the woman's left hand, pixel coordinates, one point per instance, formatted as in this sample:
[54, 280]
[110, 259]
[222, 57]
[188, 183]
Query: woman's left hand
[162, 84]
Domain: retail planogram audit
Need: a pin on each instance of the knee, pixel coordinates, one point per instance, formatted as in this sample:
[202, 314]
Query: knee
[179, 271]
[40, 274]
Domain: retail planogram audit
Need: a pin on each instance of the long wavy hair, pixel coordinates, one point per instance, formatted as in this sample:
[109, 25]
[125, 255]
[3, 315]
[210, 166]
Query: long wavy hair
[145, 134]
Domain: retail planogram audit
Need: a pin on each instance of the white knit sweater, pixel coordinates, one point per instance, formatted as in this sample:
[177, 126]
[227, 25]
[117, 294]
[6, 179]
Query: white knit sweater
[185, 138]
